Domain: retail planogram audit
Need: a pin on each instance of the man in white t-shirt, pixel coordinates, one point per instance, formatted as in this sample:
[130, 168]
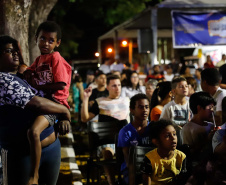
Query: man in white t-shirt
[210, 82]
[110, 108]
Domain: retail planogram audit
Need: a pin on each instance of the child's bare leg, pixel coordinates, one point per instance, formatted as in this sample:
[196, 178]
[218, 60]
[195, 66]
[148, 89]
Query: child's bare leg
[34, 132]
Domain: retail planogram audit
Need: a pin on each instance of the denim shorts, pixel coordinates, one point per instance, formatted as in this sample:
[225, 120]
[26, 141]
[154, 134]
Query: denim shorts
[19, 165]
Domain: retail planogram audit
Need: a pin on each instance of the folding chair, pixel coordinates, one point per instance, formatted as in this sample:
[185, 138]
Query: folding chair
[101, 133]
[136, 156]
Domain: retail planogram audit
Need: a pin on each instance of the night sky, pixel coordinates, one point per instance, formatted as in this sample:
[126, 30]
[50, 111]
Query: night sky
[79, 26]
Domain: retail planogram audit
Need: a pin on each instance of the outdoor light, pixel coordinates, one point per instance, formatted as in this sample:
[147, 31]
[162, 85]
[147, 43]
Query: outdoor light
[124, 43]
[110, 50]
[97, 54]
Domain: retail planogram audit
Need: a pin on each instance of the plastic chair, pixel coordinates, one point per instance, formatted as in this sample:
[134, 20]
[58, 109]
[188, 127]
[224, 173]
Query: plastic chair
[136, 156]
[101, 133]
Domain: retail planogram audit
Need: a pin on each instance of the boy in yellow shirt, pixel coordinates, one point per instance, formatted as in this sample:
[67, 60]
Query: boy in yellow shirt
[163, 164]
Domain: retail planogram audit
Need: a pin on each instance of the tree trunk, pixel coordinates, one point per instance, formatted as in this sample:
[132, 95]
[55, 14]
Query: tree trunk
[14, 18]
[20, 19]
[40, 10]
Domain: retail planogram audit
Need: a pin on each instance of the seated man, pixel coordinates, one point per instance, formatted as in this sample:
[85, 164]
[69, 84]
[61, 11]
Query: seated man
[111, 108]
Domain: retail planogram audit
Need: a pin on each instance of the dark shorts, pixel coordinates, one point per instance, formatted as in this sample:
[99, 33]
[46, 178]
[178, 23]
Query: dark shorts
[52, 118]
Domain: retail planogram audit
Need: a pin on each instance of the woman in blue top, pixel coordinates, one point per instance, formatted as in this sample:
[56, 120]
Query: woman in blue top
[19, 106]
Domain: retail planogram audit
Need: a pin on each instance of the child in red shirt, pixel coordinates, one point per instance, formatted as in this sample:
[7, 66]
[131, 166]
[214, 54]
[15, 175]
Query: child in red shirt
[51, 74]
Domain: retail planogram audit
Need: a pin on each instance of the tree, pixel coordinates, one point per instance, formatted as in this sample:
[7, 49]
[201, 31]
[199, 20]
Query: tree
[83, 21]
[40, 10]
[20, 18]
[14, 21]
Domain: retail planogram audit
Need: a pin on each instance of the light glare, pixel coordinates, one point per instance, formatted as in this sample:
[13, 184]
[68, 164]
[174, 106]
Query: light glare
[110, 50]
[97, 54]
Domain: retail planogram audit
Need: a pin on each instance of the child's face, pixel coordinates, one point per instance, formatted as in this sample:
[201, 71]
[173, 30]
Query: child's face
[9, 59]
[141, 110]
[181, 89]
[47, 41]
[207, 112]
[168, 139]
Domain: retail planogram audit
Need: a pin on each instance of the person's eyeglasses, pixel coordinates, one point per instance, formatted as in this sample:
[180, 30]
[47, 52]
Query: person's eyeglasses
[11, 51]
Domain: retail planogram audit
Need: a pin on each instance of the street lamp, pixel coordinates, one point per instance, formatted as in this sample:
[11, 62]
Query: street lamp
[110, 50]
[124, 43]
[97, 54]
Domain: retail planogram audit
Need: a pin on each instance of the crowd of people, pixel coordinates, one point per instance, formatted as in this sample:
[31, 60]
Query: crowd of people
[170, 110]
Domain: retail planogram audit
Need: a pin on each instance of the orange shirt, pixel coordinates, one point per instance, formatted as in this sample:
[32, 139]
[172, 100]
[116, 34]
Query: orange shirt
[155, 114]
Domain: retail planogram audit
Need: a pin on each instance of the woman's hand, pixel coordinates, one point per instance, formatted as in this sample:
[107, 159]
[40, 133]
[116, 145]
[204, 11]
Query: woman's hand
[63, 127]
[28, 76]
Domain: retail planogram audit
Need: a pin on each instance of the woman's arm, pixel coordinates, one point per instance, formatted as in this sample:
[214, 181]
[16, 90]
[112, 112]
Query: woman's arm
[45, 106]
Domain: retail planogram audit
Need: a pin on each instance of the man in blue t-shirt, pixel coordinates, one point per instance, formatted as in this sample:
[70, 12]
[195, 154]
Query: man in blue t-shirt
[136, 132]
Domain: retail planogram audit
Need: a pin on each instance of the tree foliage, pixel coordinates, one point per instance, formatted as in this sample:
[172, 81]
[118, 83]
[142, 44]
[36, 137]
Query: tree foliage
[113, 12]
[20, 18]
[83, 21]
